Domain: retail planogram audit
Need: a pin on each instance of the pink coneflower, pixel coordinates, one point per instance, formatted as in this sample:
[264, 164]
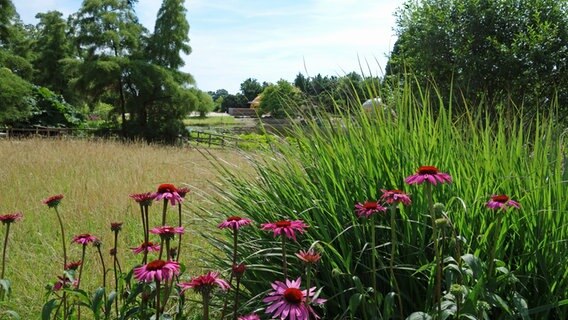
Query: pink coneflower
[239, 269]
[84, 239]
[288, 301]
[395, 197]
[167, 232]
[11, 217]
[144, 199]
[286, 227]
[234, 222]
[115, 226]
[156, 270]
[205, 283]
[183, 191]
[169, 192]
[146, 247]
[252, 316]
[502, 202]
[368, 208]
[74, 265]
[430, 174]
[53, 201]
[309, 257]
[63, 283]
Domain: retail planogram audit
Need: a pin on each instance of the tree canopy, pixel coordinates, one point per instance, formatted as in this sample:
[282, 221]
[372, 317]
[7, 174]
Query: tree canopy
[485, 50]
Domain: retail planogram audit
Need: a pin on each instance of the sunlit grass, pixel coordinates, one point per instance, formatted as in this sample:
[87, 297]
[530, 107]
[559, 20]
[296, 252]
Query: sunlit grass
[96, 178]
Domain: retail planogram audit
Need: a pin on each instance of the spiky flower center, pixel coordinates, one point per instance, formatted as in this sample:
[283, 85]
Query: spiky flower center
[166, 188]
[234, 218]
[293, 295]
[155, 265]
[427, 170]
[370, 205]
[283, 224]
[500, 198]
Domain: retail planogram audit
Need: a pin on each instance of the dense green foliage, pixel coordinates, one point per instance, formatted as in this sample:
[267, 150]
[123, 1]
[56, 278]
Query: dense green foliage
[508, 53]
[101, 55]
[280, 99]
[324, 170]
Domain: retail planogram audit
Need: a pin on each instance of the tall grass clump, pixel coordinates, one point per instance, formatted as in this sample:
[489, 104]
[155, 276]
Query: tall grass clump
[333, 162]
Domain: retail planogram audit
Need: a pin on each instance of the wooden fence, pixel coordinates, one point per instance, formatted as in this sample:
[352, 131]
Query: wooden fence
[213, 139]
[46, 132]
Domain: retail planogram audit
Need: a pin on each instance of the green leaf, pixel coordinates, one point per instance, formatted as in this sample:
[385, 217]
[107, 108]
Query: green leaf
[474, 263]
[11, 314]
[97, 302]
[521, 305]
[419, 316]
[354, 302]
[48, 308]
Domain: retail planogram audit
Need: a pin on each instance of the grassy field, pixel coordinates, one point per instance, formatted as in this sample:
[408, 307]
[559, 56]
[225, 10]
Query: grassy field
[96, 179]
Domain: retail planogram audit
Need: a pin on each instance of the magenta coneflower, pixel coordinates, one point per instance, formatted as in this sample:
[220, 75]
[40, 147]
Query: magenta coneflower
[115, 226]
[309, 257]
[84, 239]
[169, 192]
[63, 282]
[205, 282]
[288, 301]
[183, 191]
[157, 270]
[430, 174]
[11, 217]
[286, 227]
[53, 201]
[368, 208]
[73, 265]
[144, 199]
[252, 316]
[395, 197]
[502, 202]
[167, 232]
[234, 222]
[146, 247]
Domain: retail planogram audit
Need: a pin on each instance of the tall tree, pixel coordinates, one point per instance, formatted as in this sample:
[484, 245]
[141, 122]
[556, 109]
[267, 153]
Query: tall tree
[52, 46]
[170, 37]
[485, 50]
[107, 34]
[7, 14]
[251, 88]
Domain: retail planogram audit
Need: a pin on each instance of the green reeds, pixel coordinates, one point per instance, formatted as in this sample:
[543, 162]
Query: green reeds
[331, 162]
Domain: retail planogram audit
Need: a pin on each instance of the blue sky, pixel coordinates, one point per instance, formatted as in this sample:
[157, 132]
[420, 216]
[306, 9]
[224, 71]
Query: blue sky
[233, 40]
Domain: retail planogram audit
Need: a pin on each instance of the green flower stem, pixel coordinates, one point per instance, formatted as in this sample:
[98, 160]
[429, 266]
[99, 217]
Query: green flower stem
[4, 250]
[164, 211]
[157, 299]
[79, 278]
[493, 251]
[437, 259]
[144, 223]
[236, 304]
[115, 268]
[62, 237]
[394, 243]
[206, 297]
[308, 274]
[179, 239]
[146, 233]
[235, 243]
[284, 263]
[374, 255]
[103, 265]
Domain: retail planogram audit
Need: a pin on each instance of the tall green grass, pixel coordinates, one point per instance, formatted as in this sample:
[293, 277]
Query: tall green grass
[328, 165]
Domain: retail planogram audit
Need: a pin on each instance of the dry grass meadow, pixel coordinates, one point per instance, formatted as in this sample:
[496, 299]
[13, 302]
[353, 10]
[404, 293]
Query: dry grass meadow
[96, 178]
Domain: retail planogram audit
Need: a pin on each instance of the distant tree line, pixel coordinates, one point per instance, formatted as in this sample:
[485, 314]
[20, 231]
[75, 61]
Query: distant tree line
[98, 63]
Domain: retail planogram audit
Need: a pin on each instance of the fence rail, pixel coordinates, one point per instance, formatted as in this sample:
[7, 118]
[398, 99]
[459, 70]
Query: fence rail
[44, 131]
[213, 139]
